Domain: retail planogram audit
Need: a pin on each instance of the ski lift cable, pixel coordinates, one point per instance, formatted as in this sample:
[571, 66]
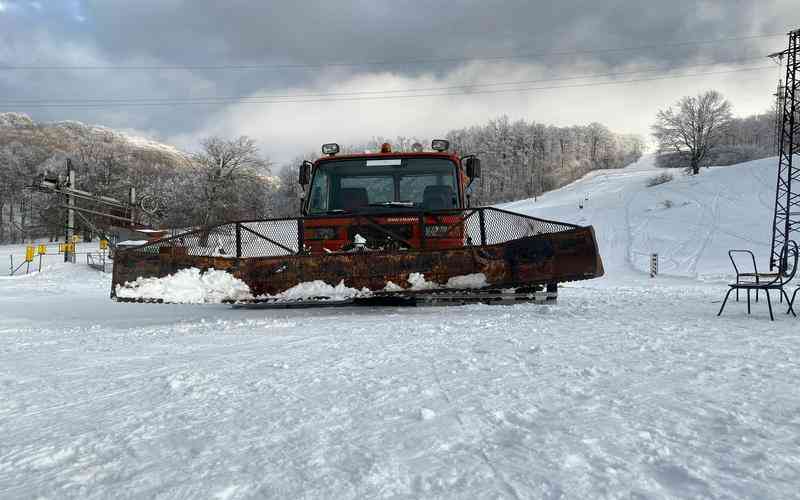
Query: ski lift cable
[371, 92]
[93, 105]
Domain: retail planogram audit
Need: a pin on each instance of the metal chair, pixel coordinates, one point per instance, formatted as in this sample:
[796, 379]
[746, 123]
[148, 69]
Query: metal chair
[747, 277]
[786, 272]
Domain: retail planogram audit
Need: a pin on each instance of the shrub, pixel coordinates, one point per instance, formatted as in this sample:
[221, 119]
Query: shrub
[659, 179]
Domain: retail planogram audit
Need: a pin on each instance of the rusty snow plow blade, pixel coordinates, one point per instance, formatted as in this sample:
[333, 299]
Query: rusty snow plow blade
[512, 256]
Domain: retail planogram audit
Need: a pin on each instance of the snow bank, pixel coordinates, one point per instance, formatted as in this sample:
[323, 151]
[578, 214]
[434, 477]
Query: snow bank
[318, 290]
[476, 280]
[392, 287]
[418, 282]
[188, 286]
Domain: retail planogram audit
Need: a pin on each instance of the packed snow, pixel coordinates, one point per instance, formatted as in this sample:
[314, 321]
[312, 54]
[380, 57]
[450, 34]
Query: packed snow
[418, 282]
[188, 286]
[318, 290]
[628, 387]
[468, 281]
[193, 286]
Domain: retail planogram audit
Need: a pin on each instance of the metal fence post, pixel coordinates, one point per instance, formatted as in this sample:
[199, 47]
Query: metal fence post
[482, 221]
[238, 241]
[301, 235]
[653, 265]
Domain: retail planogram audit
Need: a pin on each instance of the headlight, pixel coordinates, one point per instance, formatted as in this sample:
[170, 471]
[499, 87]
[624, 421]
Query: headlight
[330, 149]
[436, 231]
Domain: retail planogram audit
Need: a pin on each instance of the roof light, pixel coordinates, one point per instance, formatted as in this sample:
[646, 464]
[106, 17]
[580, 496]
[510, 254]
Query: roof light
[416, 147]
[330, 149]
[440, 145]
[386, 147]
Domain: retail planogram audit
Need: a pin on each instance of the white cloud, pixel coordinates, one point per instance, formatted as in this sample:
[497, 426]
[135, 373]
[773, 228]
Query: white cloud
[286, 130]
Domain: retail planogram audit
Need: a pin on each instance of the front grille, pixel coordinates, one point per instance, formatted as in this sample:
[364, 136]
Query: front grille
[375, 236]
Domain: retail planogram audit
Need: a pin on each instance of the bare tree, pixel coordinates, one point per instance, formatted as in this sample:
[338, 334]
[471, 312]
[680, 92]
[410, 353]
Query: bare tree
[694, 126]
[223, 170]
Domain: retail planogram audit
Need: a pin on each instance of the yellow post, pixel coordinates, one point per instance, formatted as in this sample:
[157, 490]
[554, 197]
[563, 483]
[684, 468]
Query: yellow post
[61, 247]
[69, 248]
[29, 253]
[103, 244]
[42, 249]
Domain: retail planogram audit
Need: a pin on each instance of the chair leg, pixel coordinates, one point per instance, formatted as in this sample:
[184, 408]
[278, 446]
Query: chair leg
[748, 301]
[791, 309]
[791, 302]
[756, 294]
[737, 295]
[725, 301]
[769, 303]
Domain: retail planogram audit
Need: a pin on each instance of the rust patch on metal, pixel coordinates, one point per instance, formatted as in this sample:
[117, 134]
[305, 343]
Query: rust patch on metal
[535, 260]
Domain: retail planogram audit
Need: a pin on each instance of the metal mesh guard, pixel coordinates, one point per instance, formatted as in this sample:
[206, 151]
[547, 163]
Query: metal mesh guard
[280, 237]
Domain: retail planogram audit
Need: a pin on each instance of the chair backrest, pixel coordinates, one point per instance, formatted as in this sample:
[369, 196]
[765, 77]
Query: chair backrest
[438, 198]
[353, 198]
[741, 256]
[788, 263]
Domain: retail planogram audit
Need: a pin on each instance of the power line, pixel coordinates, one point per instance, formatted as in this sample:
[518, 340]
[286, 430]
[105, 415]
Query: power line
[398, 62]
[390, 97]
[463, 86]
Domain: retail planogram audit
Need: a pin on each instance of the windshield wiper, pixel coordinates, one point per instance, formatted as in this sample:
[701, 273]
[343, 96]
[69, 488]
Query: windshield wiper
[405, 204]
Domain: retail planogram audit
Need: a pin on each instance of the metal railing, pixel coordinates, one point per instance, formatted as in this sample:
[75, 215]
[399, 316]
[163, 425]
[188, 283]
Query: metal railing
[99, 261]
[282, 237]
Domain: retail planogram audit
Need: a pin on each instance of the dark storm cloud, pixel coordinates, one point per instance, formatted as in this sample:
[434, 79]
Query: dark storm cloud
[200, 32]
[213, 32]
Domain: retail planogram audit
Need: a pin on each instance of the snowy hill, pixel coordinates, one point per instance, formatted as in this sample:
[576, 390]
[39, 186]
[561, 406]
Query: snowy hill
[67, 136]
[691, 221]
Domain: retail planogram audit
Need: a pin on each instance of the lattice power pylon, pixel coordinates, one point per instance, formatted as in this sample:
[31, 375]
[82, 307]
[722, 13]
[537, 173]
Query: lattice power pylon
[778, 116]
[787, 196]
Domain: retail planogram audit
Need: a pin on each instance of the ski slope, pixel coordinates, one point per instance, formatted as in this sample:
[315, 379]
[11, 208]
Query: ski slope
[628, 387]
[690, 222]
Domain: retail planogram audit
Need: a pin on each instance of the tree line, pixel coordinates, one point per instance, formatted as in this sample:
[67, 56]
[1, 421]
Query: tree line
[523, 159]
[228, 179]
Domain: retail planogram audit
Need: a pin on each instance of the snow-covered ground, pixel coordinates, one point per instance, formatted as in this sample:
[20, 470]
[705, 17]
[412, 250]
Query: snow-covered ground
[628, 387]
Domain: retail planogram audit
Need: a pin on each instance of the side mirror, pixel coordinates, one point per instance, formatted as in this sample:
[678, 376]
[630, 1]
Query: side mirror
[305, 173]
[473, 167]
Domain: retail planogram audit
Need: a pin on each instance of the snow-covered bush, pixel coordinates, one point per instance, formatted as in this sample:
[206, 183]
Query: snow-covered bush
[659, 179]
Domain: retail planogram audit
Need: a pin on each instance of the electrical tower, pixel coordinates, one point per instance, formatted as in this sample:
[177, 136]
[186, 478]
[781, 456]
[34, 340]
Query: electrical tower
[778, 117]
[787, 196]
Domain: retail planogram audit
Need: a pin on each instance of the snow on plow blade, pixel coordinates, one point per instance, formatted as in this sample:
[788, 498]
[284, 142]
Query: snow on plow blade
[510, 250]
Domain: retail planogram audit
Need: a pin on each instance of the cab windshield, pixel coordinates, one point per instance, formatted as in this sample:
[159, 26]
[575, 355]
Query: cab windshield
[395, 183]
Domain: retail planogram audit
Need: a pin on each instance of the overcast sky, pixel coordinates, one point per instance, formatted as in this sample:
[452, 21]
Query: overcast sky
[173, 50]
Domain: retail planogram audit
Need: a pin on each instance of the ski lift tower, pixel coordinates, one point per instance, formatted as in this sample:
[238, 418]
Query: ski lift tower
[787, 196]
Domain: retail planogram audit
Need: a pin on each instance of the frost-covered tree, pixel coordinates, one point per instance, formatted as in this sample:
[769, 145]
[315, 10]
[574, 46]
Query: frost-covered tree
[226, 172]
[695, 126]
[523, 159]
